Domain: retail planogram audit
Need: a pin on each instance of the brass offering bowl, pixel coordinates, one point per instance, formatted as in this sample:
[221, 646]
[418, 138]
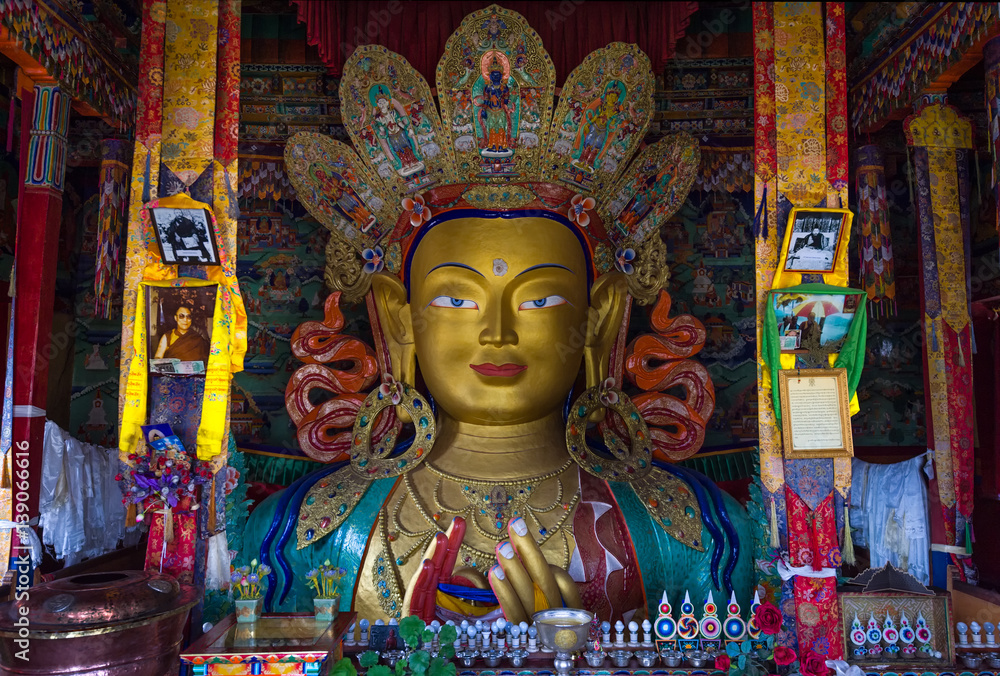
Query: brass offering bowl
[564, 630]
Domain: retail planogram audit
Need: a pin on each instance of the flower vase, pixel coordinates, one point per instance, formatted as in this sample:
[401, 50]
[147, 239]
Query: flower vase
[248, 610]
[326, 609]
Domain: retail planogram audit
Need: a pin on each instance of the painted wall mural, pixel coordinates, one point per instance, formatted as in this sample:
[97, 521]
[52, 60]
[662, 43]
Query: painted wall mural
[710, 245]
[891, 391]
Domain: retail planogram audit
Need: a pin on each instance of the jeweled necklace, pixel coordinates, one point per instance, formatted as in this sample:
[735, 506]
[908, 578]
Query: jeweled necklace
[489, 506]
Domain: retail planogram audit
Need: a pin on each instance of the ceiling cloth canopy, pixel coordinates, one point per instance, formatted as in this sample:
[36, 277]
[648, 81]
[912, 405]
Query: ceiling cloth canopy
[418, 29]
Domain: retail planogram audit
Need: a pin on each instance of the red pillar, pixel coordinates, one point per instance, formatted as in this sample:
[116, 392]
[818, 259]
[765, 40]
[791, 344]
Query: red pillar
[39, 214]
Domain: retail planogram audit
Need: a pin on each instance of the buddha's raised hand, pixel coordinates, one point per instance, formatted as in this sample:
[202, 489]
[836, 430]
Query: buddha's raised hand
[523, 581]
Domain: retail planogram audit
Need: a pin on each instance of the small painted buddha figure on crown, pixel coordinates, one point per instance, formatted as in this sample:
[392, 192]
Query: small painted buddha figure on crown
[495, 464]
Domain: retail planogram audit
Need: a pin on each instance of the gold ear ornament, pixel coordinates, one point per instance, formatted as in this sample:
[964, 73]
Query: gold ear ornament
[380, 462]
[621, 462]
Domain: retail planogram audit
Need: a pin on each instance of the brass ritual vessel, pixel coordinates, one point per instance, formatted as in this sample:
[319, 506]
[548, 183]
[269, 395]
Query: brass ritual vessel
[128, 623]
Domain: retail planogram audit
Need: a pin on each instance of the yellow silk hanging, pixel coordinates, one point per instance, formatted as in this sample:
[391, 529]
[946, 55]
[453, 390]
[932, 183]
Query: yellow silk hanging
[229, 341]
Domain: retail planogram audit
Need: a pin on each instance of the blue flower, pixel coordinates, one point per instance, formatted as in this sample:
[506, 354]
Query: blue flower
[623, 260]
[373, 258]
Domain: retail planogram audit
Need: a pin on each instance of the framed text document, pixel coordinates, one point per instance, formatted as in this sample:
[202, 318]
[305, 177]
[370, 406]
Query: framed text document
[815, 413]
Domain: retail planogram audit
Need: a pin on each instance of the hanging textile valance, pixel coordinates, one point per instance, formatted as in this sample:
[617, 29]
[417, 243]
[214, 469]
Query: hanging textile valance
[418, 30]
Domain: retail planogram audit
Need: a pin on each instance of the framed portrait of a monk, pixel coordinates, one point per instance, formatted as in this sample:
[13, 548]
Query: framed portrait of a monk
[180, 328]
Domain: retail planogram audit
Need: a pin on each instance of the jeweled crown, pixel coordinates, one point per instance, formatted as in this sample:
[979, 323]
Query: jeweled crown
[502, 142]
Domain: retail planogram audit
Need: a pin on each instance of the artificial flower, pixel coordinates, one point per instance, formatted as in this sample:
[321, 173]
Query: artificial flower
[608, 396]
[391, 388]
[784, 655]
[578, 208]
[623, 260]
[419, 211]
[722, 662]
[373, 260]
[768, 618]
[813, 664]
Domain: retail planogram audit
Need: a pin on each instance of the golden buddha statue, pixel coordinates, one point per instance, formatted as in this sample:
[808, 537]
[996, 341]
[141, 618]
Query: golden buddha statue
[520, 488]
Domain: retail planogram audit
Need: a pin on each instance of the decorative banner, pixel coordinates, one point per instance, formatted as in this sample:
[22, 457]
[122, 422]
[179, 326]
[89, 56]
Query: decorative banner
[188, 104]
[991, 56]
[171, 549]
[812, 534]
[800, 98]
[85, 69]
[725, 169]
[772, 471]
[836, 96]
[765, 131]
[145, 179]
[229, 341]
[875, 247]
[935, 46]
[115, 160]
[817, 616]
[941, 139]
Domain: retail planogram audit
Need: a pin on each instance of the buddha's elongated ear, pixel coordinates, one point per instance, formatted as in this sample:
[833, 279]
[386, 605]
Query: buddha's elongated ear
[604, 319]
[397, 322]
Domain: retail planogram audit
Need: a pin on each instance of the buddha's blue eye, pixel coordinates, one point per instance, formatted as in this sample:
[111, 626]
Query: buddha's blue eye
[458, 303]
[548, 301]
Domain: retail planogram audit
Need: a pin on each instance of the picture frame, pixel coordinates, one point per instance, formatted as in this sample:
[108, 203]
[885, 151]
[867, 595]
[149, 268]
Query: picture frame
[815, 320]
[385, 637]
[790, 340]
[814, 238]
[180, 321]
[184, 231]
[815, 413]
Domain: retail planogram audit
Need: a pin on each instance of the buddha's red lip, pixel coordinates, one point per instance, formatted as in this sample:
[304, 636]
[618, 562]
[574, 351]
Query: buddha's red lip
[504, 370]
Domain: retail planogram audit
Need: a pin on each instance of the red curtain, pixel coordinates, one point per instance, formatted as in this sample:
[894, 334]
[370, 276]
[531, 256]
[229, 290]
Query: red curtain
[418, 29]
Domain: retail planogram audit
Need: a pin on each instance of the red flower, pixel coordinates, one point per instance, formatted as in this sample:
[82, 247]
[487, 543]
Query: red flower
[783, 655]
[814, 664]
[722, 662]
[768, 618]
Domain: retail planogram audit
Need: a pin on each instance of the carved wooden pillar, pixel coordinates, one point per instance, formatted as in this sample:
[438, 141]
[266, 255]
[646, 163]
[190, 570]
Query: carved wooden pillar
[39, 216]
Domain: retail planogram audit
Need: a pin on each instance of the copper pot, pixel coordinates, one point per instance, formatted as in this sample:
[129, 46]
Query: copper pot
[128, 623]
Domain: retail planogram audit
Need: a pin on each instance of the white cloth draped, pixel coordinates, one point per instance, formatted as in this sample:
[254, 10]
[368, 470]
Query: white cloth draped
[889, 514]
[80, 506]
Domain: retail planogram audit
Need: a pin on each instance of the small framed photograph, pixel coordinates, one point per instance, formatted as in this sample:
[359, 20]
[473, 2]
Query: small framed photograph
[385, 637]
[816, 320]
[815, 413]
[180, 328]
[813, 239]
[185, 235]
[789, 340]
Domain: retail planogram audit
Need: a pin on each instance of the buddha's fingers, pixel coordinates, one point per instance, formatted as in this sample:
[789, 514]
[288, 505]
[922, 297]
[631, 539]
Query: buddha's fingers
[470, 577]
[567, 587]
[534, 562]
[420, 585]
[455, 535]
[517, 576]
[509, 600]
[440, 555]
[424, 582]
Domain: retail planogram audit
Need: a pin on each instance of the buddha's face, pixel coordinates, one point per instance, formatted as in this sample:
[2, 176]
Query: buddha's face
[499, 311]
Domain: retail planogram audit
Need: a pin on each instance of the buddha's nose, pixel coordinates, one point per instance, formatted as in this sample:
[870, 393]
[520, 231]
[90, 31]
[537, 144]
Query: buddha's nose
[499, 329]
